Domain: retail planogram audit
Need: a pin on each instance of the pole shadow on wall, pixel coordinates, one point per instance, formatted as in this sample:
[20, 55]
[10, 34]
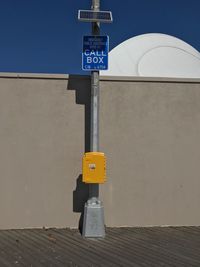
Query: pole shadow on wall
[81, 84]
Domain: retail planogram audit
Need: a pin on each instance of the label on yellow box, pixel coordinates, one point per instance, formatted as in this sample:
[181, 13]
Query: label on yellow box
[94, 168]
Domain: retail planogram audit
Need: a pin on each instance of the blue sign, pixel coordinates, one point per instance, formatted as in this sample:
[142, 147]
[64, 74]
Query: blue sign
[95, 53]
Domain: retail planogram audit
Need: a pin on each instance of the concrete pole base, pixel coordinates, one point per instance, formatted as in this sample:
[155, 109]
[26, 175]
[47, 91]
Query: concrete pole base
[93, 221]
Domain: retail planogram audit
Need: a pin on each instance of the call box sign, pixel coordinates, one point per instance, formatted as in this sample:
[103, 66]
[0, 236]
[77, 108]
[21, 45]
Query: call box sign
[95, 53]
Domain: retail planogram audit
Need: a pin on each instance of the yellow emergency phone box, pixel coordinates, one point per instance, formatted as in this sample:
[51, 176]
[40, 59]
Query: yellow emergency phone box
[94, 168]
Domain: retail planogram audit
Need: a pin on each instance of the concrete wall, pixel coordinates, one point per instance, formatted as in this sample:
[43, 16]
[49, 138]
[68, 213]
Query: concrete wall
[149, 130]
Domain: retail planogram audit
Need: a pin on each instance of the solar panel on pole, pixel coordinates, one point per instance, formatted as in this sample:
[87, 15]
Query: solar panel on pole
[95, 16]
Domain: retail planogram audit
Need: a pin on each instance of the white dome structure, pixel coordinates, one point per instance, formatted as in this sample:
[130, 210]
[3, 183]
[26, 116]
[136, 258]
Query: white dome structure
[154, 55]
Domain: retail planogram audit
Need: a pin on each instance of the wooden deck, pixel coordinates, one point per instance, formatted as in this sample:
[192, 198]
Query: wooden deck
[156, 246]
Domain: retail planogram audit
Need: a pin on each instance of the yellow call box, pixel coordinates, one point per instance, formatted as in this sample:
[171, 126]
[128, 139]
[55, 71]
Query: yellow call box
[94, 168]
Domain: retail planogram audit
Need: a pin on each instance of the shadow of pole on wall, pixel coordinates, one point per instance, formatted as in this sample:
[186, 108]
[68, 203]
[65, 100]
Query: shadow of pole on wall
[81, 84]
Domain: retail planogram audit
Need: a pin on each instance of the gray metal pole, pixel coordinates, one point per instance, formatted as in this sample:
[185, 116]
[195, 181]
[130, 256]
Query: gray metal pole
[94, 123]
[93, 222]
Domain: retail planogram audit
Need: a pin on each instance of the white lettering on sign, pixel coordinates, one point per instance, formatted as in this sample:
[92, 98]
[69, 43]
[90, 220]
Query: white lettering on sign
[87, 52]
[89, 60]
[94, 53]
[100, 59]
[94, 60]
[100, 53]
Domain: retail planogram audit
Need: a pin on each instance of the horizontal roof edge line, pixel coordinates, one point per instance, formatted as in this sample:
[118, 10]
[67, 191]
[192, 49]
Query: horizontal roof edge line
[33, 75]
[149, 79]
[14, 75]
[51, 76]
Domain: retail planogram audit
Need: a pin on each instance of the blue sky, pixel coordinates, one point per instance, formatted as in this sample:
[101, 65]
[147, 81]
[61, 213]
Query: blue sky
[44, 36]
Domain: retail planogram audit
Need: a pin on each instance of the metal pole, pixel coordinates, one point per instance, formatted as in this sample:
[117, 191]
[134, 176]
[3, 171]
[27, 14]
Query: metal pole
[93, 222]
[94, 123]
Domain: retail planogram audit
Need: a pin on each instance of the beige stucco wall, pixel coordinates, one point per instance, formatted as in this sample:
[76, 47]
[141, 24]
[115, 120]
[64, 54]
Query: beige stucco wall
[149, 130]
